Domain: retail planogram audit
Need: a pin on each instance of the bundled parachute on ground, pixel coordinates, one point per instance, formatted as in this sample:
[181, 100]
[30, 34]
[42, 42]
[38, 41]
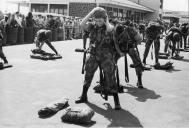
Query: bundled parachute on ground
[78, 115]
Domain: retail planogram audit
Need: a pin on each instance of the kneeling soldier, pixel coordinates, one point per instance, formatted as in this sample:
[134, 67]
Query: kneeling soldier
[44, 36]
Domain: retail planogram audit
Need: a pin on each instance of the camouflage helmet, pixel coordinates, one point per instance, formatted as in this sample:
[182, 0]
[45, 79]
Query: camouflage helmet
[101, 13]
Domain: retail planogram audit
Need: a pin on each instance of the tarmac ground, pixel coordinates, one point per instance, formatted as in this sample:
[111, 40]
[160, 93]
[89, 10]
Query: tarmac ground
[31, 84]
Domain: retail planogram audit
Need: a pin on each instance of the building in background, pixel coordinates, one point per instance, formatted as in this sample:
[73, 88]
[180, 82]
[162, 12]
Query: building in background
[156, 5]
[176, 16]
[135, 10]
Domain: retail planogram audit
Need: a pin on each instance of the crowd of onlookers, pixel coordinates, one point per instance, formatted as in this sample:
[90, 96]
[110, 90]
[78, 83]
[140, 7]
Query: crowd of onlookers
[63, 27]
[18, 28]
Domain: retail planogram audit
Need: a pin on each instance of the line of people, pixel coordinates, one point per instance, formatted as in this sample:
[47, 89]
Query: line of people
[69, 25]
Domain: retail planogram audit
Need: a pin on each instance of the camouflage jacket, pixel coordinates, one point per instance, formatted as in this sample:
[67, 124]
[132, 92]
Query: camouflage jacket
[100, 39]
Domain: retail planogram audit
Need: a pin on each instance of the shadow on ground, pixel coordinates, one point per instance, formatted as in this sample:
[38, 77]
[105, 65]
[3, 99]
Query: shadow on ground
[83, 125]
[141, 95]
[173, 70]
[119, 118]
[184, 60]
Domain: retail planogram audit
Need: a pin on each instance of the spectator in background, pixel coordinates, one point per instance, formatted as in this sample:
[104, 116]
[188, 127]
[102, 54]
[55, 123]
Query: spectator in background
[29, 20]
[4, 21]
[23, 21]
[3, 24]
[18, 18]
[13, 23]
[40, 22]
[50, 22]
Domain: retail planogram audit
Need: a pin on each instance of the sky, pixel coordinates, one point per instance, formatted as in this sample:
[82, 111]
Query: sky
[175, 5]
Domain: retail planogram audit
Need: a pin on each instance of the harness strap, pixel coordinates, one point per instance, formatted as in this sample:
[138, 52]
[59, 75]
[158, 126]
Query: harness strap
[126, 70]
[152, 51]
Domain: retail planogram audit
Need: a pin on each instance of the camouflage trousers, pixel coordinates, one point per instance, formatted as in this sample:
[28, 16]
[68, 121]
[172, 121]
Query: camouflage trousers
[136, 61]
[174, 47]
[135, 57]
[2, 56]
[156, 47]
[183, 41]
[105, 60]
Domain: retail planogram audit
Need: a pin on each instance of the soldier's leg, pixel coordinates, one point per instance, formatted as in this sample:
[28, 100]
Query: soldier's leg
[166, 46]
[137, 64]
[157, 48]
[177, 48]
[167, 42]
[181, 41]
[173, 48]
[109, 69]
[2, 56]
[147, 48]
[90, 68]
[185, 38]
[117, 102]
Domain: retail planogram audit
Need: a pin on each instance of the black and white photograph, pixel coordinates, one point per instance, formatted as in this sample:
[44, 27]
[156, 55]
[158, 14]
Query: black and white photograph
[94, 64]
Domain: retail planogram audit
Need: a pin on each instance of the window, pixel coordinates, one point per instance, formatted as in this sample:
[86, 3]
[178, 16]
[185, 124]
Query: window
[120, 13]
[58, 8]
[115, 12]
[39, 7]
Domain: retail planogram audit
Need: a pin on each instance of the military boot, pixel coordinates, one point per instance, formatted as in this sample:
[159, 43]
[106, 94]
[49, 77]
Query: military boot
[139, 83]
[116, 102]
[83, 97]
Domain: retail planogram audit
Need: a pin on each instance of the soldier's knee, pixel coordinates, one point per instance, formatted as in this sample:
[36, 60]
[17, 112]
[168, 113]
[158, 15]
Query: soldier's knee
[108, 66]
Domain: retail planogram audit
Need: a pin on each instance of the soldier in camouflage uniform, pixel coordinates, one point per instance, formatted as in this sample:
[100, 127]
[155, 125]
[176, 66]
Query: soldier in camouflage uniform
[101, 54]
[2, 56]
[174, 35]
[153, 32]
[44, 36]
[184, 29]
[126, 41]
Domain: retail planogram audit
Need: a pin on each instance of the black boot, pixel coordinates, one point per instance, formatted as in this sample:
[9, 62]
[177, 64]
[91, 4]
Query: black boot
[144, 61]
[116, 101]
[83, 98]
[139, 83]
[5, 60]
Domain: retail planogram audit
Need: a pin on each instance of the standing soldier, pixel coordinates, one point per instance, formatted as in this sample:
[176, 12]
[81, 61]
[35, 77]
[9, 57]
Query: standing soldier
[2, 56]
[101, 54]
[174, 35]
[153, 32]
[184, 29]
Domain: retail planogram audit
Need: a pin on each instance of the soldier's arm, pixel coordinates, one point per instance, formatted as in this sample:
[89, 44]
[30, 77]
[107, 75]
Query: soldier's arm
[83, 23]
[137, 36]
[109, 27]
[1, 35]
